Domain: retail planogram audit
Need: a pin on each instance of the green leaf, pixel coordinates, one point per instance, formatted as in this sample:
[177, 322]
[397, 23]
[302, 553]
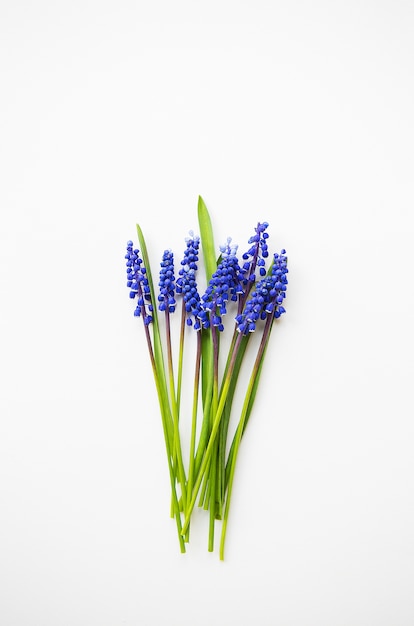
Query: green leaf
[251, 400]
[207, 355]
[207, 239]
[161, 385]
[224, 426]
[210, 265]
[158, 352]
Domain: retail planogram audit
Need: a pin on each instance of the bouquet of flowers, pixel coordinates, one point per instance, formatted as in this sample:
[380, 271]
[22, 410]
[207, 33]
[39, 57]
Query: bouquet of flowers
[253, 295]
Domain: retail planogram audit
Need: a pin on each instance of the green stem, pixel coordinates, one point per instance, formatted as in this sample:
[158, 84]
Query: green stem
[225, 421]
[180, 355]
[240, 428]
[212, 496]
[180, 370]
[204, 492]
[205, 496]
[177, 444]
[213, 434]
[213, 464]
[224, 425]
[249, 410]
[207, 389]
[194, 418]
[158, 351]
[163, 402]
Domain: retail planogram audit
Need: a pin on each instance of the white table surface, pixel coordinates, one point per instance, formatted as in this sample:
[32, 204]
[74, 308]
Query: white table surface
[298, 113]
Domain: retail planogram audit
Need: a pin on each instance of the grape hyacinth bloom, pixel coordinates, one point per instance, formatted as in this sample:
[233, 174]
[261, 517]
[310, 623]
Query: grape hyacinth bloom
[256, 254]
[137, 282]
[167, 285]
[186, 283]
[224, 284]
[266, 298]
[190, 259]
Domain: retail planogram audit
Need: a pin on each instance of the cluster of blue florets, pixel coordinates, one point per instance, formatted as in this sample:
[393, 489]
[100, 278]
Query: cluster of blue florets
[190, 259]
[186, 282]
[225, 284]
[166, 296]
[267, 297]
[137, 282]
[256, 255]
[229, 282]
[279, 271]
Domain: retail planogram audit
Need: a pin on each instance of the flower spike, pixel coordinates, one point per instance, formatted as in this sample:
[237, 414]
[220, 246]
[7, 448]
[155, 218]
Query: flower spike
[137, 282]
[266, 298]
[256, 255]
[224, 284]
[186, 283]
[167, 285]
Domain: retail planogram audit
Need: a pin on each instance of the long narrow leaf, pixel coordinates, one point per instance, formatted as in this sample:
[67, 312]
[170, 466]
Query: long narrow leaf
[207, 239]
[248, 412]
[224, 426]
[210, 265]
[158, 352]
[161, 386]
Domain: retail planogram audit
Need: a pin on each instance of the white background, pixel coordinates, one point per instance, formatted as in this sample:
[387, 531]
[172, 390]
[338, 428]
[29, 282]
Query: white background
[298, 113]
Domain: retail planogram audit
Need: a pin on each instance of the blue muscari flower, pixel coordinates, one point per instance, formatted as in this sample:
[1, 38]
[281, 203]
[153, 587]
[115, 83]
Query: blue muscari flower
[256, 254]
[224, 284]
[186, 283]
[267, 297]
[137, 282]
[167, 283]
[190, 259]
